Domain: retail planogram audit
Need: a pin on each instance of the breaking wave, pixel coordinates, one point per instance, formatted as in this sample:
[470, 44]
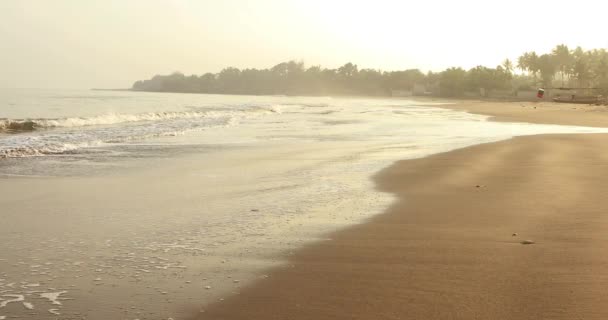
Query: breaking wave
[21, 125]
[8, 125]
[69, 135]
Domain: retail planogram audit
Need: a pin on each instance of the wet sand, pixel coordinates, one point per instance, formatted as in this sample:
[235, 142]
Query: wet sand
[451, 246]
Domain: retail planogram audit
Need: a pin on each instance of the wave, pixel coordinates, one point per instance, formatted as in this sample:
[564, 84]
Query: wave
[70, 135]
[24, 125]
[16, 125]
[8, 125]
[32, 151]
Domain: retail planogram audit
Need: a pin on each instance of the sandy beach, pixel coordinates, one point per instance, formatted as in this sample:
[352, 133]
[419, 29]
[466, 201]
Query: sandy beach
[451, 246]
[537, 112]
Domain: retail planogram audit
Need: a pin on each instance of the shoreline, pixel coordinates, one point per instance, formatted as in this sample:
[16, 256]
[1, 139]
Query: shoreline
[414, 260]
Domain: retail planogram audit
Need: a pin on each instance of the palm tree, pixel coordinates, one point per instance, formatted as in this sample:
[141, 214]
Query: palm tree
[580, 66]
[508, 65]
[523, 62]
[563, 59]
[533, 64]
[547, 66]
[580, 70]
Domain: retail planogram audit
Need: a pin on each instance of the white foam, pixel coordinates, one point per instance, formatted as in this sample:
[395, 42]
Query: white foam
[104, 119]
[16, 298]
[39, 143]
[120, 118]
[53, 297]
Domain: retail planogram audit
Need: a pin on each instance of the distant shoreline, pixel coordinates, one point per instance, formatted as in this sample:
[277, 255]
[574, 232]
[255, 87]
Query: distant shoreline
[412, 97]
[103, 89]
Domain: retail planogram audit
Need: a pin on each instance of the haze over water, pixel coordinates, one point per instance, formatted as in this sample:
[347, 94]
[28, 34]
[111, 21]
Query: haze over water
[186, 198]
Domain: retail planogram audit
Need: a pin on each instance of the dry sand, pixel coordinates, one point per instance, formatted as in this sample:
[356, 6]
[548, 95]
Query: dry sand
[538, 112]
[450, 247]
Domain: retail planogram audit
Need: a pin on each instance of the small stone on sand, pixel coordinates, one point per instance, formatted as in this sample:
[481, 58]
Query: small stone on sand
[207, 287]
[527, 242]
[514, 234]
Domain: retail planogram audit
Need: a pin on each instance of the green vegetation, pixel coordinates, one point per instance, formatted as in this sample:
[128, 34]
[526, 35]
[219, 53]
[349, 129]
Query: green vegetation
[561, 67]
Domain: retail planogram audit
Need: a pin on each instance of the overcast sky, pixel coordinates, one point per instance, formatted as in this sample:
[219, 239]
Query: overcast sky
[107, 43]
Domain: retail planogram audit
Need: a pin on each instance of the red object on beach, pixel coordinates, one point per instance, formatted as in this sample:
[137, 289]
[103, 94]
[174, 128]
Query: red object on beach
[540, 94]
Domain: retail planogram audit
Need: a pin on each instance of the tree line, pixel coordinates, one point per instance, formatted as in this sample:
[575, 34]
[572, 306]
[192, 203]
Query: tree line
[566, 67]
[561, 67]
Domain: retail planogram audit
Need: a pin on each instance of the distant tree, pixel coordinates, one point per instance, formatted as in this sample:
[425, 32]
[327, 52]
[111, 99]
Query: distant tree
[562, 60]
[486, 78]
[523, 62]
[600, 70]
[547, 67]
[502, 77]
[229, 80]
[207, 83]
[579, 68]
[588, 68]
[314, 70]
[348, 70]
[403, 80]
[580, 71]
[534, 64]
[452, 82]
[371, 82]
[508, 65]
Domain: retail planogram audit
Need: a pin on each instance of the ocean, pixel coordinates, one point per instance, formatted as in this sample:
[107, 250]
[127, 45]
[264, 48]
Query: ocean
[143, 205]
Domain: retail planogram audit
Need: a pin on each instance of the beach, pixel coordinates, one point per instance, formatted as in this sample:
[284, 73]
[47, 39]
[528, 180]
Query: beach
[452, 245]
[208, 206]
[228, 160]
[542, 112]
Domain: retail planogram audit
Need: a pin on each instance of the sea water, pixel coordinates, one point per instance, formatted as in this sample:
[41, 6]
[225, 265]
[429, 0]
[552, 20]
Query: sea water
[150, 205]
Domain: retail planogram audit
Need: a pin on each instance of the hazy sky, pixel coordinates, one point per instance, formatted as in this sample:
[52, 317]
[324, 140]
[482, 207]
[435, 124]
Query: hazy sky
[106, 43]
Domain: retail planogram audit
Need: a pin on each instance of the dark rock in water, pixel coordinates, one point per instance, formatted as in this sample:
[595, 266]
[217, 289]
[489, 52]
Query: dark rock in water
[527, 242]
[16, 126]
